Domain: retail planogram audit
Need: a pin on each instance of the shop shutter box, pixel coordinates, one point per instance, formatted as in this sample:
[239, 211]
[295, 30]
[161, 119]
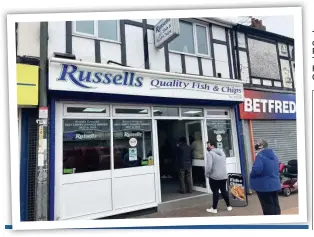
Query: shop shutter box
[281, 136]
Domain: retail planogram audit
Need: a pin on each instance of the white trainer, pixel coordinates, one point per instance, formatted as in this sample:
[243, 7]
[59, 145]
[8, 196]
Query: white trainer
[211, 210]
[229, 208]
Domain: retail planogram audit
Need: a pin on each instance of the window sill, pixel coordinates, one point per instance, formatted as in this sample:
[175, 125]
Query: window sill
[95, 38]
[192, 55]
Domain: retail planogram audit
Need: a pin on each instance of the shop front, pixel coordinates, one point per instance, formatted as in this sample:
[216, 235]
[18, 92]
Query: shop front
[111, 125]
[270, 116]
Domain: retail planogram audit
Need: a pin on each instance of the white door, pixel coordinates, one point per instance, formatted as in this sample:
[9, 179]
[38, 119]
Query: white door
[195, 138]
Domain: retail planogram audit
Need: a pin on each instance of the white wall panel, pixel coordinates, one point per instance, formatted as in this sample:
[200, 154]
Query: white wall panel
[134, 46]
[83, 49]
[56, 32]
[207, 66]
[244, 66]
[134, 190]
[219, 33]
[110, 51]
[28, 39]
[156, 56]
[221, 60]
[85, 198]
[175, 62]
[241, 40]
[191, 64]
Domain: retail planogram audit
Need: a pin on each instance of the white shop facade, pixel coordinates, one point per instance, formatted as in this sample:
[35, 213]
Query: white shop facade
[105, 133]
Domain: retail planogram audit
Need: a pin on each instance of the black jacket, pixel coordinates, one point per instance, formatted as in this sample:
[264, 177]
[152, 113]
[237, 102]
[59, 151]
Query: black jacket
[184, 156]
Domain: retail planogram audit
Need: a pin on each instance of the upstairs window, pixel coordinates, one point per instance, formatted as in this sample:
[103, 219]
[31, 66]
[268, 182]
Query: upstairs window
[193, 39]
[106, 30]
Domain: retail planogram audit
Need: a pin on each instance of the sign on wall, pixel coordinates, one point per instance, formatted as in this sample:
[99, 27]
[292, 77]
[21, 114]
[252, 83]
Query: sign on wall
[266, 105]
[67, 77]
[165, 31]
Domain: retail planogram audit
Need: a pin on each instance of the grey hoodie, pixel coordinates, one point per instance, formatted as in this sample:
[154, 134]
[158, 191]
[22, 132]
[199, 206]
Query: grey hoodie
[215, 165]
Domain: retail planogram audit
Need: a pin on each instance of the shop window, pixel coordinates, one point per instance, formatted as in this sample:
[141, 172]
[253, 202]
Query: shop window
[193, 39]
[221, 132]
[86, 145]
[192, 112]
[166, 111]
[132, 143]
[106, 29]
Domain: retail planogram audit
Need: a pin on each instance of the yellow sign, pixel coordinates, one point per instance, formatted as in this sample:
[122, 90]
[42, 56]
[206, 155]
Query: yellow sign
[27, 84]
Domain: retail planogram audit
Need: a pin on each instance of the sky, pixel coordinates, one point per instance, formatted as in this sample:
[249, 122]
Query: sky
[282, 25]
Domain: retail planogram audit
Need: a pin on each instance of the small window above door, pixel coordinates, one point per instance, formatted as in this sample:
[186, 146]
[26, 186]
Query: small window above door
[78, 110]
[192, 112]
[131, 111]
[166, 111]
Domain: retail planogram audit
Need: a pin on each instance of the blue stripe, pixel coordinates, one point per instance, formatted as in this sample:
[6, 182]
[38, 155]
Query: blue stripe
[24, 165]
[52, 161]
[25, 84]
[189, 227]
[240, 144]
[194, 227]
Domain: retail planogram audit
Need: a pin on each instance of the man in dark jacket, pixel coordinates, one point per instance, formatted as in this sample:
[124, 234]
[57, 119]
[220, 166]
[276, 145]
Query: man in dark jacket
[265, 178]
[184, 162]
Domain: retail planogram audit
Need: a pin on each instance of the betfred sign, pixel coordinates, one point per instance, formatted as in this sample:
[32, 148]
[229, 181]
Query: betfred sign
[260, 105]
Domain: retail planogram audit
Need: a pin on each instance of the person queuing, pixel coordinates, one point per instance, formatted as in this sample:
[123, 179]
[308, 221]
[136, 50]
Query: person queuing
[184, 161]
[265, 178]
[216, 171]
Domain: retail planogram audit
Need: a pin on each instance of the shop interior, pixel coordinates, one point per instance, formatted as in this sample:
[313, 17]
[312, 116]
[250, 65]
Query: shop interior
[169, 133]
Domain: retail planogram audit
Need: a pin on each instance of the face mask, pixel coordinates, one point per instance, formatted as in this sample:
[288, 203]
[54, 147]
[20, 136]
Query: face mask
[257, 147]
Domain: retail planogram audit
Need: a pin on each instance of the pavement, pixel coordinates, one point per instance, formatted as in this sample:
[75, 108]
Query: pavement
[289, 206]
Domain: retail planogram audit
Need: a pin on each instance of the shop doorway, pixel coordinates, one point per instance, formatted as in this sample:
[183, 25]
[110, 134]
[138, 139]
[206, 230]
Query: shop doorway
[169, 134]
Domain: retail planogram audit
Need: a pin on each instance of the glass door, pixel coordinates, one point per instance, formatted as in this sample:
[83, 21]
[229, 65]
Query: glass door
[195, 139]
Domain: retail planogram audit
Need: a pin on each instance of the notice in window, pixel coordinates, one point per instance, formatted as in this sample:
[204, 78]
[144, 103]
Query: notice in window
[132, 154]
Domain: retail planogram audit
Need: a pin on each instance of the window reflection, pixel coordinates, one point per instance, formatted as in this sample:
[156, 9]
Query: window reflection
[220, 131]
[132, 143]
[86, 145]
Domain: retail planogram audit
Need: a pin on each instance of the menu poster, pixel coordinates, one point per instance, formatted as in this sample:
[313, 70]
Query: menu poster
[132, 125]
[237, 193]
[86, 129]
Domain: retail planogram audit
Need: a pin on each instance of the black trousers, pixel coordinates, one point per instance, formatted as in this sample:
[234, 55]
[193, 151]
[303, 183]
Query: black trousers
[185, 175]
[269, 202]
[215, 186]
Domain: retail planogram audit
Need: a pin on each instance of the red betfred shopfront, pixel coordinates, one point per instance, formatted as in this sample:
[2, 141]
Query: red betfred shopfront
[270, 116]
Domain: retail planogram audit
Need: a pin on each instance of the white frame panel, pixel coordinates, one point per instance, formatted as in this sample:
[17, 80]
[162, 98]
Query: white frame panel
[95, 35]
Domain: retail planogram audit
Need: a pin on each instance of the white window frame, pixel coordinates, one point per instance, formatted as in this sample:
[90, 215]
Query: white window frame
[196, 53]
[95, 35]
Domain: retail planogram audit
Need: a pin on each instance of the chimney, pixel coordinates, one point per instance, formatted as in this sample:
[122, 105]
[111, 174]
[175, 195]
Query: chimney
[257, 24]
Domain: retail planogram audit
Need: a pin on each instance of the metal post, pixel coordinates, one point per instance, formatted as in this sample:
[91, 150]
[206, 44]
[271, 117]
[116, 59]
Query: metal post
[42, 188]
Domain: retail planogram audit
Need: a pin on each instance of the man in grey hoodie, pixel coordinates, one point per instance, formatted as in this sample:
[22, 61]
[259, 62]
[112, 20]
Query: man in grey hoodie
[216, 171]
